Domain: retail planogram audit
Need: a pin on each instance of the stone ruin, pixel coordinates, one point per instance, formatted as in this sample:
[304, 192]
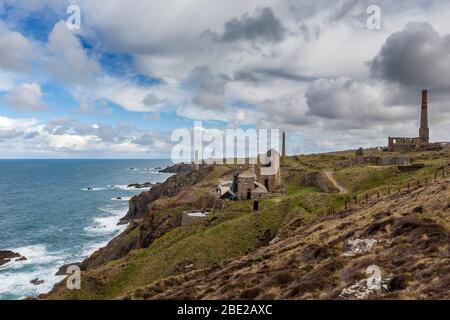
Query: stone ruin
[421, 143]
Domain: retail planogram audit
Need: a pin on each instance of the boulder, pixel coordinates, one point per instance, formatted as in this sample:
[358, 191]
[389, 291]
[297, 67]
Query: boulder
[7, 256]
[144, 185]
[37, 282]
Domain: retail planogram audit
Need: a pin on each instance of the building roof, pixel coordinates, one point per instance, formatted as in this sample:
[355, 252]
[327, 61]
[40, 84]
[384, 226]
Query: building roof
[260, 190]
[228, 195]
[260, 187]
[226, 183]
[223, 189]
[246, 174]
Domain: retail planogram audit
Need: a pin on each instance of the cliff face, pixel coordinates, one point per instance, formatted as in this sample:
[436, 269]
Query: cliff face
[138, 235]
[151, 217]
[139, 204]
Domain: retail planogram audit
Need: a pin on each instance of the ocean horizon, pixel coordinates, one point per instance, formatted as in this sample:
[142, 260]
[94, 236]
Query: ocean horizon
[59, 211]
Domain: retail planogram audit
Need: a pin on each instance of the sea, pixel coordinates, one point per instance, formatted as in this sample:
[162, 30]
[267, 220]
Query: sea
[55, 212]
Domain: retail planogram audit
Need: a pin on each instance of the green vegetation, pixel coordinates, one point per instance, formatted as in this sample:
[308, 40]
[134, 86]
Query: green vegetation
[237, 230]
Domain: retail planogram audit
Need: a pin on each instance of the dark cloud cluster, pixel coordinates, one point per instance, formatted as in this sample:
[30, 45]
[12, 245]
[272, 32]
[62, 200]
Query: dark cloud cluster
[417, 57]
[9, 133]
[353, 104]
[208, 88]
[263, 25]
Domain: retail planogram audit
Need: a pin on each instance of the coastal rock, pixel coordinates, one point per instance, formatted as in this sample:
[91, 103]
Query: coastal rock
[8, 256]
[62, 271]
[179, 168]
[145, 185]
[37, 282]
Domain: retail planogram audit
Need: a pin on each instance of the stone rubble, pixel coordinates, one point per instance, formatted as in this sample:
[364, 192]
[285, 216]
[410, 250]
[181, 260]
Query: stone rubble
[356, 247]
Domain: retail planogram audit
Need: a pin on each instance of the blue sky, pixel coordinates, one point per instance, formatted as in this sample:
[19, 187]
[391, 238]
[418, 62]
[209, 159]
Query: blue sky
[120, 85]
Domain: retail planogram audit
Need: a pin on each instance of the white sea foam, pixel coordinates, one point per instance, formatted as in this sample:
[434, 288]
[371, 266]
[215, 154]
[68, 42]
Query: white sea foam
[90, 248]
[94, 189]
[107, 223]
[121, 199]
[126, 187]
[15, 277]
[150, 170]
[114, 187]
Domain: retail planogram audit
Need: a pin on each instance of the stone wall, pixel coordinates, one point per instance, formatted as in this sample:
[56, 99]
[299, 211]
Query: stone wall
[319, 180]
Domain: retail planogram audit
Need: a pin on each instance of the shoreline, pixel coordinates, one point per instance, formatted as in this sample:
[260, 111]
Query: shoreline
[120, 222]
[36, 270]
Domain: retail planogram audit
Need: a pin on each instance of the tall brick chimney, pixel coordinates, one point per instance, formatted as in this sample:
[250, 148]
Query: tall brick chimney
[196, 161]
[283, 151]
[424, 131]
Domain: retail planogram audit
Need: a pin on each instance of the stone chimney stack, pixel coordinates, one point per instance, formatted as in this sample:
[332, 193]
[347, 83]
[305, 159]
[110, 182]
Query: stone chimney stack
[252, 168]
[196, 161]
[424, 131]
[283, 151]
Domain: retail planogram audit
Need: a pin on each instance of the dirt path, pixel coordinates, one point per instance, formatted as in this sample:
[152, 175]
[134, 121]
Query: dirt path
[330, 176]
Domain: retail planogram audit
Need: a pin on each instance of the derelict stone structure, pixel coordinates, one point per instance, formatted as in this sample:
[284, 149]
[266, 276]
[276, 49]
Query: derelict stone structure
[402, 144]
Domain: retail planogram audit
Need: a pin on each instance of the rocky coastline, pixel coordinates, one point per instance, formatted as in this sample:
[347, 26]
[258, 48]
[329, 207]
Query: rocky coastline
[145, 214]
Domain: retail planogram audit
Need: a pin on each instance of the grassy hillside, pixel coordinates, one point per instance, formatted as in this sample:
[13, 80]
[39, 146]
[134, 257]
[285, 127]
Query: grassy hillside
[236, 231]
[409, 242]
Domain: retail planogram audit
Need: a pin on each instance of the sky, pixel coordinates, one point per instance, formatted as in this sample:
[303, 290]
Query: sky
[135, 71]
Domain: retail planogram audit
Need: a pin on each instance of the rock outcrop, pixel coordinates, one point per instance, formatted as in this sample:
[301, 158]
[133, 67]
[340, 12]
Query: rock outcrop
[139, 204]
[145, 185]
[8, 256]
[37, 282]
[179, 168]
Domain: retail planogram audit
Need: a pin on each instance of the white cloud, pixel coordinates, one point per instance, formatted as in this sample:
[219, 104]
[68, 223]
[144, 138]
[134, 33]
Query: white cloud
[311, 76]
[16, 50]
[68, 61]
[62, 137]
[26, 98]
